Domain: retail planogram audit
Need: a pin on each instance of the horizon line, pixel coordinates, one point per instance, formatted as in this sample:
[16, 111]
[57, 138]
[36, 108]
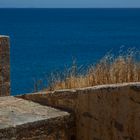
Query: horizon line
[69, 7]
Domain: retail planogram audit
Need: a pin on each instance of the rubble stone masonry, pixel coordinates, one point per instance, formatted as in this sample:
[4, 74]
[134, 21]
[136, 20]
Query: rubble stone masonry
[4, 66]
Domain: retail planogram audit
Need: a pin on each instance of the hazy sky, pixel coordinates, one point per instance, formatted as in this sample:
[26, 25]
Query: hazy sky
[70, 3]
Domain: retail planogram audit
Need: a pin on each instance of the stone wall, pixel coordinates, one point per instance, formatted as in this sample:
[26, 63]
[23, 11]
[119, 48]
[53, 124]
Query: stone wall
[4, 66]
[108, 112]
[24, 120]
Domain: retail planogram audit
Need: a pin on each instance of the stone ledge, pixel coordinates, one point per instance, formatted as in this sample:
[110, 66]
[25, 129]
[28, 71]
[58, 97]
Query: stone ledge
[75, 91]
[21, 119]
[4, 36]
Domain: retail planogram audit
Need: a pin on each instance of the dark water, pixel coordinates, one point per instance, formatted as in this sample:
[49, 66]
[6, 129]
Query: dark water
[43, 40]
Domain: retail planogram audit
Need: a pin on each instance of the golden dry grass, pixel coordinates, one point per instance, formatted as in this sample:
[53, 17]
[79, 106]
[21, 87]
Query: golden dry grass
[109, 70]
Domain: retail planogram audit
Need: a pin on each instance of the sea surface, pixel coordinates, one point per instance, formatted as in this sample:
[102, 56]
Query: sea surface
[47, 40]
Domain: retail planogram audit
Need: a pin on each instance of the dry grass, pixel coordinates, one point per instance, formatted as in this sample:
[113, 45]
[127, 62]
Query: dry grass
[109, 70]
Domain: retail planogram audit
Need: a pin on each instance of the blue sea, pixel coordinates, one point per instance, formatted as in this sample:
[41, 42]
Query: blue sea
[46, 40]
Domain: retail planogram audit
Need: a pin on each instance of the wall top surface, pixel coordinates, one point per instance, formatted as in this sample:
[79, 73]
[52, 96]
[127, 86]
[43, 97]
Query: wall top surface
[15, 112]
[4, 36]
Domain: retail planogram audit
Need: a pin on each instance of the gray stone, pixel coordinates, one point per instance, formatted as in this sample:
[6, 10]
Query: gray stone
[21, 119]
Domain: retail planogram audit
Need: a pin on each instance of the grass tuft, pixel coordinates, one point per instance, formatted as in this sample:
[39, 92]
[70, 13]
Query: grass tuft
[109, 70]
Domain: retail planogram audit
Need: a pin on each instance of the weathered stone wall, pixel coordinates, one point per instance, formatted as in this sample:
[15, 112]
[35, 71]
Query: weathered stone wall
[37, 131]
[110, 112]
[24, 120]
[4, 66]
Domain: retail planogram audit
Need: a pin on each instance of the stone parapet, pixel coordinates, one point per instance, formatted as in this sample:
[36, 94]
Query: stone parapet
[106, 112]
[24, 120]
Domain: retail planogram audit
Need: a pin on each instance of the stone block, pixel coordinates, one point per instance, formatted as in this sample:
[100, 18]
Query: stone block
[24, 120]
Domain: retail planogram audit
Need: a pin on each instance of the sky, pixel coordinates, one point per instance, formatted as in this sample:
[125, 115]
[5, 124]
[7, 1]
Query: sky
[69, 3]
